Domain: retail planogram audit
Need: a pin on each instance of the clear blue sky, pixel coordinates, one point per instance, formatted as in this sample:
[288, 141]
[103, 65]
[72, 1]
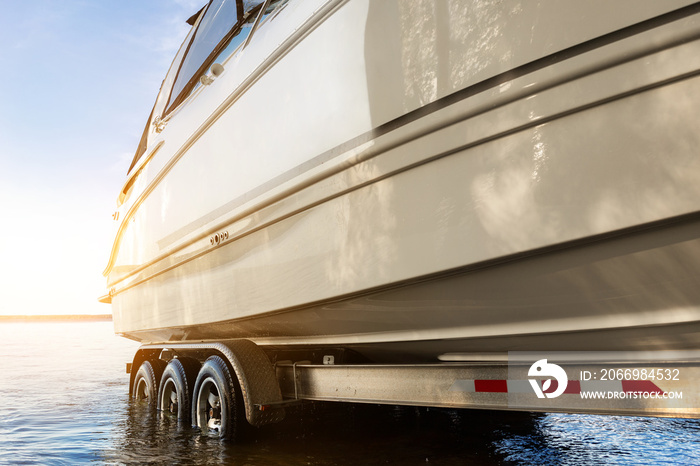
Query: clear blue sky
[78, 79]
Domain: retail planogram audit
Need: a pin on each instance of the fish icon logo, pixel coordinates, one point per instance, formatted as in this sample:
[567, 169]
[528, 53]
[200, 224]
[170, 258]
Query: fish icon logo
[542, 368]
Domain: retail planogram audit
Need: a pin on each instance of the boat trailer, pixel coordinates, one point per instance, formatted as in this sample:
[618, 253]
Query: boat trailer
[660, 383]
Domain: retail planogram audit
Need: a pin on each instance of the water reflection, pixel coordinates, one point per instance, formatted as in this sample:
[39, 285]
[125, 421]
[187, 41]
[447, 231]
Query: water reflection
[327, 433]
[335, 433]
[142, 436]
[572, 439]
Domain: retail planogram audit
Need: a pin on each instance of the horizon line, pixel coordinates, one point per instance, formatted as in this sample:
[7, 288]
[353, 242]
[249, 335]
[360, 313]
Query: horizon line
[55, 317]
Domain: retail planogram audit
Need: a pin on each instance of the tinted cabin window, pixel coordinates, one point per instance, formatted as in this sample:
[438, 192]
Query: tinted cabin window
[236, 41]
[242, 34]
[218, 20]
[220, 34]
[275, 5]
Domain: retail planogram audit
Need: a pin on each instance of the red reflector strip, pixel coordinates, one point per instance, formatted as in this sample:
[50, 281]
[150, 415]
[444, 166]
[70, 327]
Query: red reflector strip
[491, 386]
[640, 386]
[572, 387]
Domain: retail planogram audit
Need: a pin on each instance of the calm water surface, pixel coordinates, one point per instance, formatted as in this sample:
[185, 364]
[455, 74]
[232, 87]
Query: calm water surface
[64, 400]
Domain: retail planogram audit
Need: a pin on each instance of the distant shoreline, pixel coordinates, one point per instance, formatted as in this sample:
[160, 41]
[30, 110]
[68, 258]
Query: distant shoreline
[57, 318]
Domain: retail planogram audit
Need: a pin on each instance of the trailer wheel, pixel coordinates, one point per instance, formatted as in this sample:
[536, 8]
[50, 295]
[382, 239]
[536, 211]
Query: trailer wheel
[146, 381]
[218, 403]
[175, 389]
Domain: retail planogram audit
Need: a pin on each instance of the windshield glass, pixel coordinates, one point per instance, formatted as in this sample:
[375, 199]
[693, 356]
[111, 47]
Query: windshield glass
[218, 20]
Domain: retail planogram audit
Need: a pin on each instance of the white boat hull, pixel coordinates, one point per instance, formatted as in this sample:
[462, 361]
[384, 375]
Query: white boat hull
[633, 291]
[544, 200]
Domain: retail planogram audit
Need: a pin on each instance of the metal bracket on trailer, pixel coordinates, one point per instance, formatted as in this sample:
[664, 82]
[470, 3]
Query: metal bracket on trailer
[278, 404]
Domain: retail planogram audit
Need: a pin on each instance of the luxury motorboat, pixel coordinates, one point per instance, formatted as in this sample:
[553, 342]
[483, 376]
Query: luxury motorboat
[419, 181]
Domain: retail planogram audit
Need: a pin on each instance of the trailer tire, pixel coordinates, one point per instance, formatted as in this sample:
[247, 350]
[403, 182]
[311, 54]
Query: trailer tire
[146, 381]
[217, 403]
[175, 388]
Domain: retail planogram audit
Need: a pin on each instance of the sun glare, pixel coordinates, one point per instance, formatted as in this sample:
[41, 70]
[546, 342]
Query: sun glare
[51, 264]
